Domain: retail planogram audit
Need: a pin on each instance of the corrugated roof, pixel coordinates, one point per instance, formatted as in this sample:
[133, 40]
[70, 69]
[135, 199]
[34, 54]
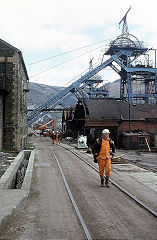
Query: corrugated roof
[112, 109]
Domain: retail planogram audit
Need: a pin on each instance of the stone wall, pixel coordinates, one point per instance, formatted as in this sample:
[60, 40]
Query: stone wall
[15, 102]
[22, 129]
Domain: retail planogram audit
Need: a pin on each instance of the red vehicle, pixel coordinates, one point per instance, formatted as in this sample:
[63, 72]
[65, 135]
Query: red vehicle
[43, 127]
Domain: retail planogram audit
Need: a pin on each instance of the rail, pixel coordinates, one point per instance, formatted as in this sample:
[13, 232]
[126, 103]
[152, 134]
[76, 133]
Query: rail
[150, 210]
[87, 233]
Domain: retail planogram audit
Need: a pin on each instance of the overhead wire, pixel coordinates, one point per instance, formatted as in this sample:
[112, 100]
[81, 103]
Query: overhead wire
[75, 77]
[79, 75]
[76, 49]
[64, 62]
[67, 60]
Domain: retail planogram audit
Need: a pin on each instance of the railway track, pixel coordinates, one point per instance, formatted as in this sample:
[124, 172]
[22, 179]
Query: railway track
[86, 231]
[134, 198]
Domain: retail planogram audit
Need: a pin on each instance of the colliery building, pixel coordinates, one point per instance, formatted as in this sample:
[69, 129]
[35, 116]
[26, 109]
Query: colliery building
[129, 124]
[13, 99]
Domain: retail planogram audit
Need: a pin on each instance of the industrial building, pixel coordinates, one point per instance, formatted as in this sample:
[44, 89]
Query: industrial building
[131, 119]
[133, 116]
[13, 99]
[124, 120]
[130, 59]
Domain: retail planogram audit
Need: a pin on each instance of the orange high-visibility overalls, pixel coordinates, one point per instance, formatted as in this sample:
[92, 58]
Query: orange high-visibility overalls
[53, 138]
[57, 137]
[104, 159]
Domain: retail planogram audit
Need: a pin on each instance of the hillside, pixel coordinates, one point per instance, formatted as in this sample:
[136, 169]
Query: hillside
[40, 93]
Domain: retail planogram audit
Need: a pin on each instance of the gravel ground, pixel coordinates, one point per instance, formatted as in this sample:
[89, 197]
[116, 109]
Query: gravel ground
[146, 160]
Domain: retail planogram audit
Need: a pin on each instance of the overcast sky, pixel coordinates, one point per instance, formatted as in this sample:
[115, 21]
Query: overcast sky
[45, 28]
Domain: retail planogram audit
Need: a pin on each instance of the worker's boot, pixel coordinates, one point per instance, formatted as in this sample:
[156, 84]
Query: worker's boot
[107, 181]
[102, 181]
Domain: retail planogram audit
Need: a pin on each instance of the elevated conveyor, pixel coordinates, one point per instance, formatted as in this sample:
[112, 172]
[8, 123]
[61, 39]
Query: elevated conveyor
[54, 101]
[138, 81]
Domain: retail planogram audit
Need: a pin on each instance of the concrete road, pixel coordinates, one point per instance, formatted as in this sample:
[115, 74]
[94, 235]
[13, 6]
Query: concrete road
[48, 213]
[138, 181]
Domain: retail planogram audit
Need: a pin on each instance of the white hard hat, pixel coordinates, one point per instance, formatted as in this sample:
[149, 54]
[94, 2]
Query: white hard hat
[105, 131]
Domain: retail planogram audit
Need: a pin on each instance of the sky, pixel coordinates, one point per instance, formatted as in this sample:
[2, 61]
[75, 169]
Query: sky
[44, 29]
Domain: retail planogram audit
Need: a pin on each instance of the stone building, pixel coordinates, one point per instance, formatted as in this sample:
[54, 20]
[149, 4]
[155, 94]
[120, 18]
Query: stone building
[13, 99]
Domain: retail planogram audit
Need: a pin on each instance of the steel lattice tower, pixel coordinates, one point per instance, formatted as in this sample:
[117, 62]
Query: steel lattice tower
[138, 78]
[138, 81]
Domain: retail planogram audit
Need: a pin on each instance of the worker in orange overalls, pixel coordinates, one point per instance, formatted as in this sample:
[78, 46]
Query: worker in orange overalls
[53, 137]
[102, 155]
[57, 137]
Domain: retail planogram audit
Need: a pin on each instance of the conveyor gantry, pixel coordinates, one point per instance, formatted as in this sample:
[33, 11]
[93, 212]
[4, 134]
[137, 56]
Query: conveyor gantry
[125, 50]
[54, 101]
